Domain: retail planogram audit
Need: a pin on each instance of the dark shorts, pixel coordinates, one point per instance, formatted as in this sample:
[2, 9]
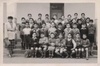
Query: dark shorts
[11, 45]
[22, 37]
[34, 45]
[80, 46]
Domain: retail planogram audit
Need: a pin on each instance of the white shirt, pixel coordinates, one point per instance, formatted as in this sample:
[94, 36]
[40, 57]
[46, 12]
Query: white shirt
[27, 31]
[10, 31]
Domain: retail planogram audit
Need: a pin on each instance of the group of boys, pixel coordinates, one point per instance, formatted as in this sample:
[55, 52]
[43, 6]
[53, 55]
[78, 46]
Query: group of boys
[57, 37]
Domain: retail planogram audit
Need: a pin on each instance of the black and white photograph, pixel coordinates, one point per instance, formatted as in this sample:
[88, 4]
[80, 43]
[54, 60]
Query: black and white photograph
[49, 32]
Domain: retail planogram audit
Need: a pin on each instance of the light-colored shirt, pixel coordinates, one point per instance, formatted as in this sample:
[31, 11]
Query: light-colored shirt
[10, 30]
[27, 31]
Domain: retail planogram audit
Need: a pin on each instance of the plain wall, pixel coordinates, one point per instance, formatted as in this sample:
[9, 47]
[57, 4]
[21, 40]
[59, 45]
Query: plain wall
[69, 8]
[34, 8]
[87, 8]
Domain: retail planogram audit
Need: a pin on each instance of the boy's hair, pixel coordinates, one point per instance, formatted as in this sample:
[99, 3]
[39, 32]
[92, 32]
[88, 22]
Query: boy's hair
[77, 33]
[27, 22]
[75, 13]
[91, 20]
[69, 15]
[52, 33]
[43, 23]
[60, 18]
[42, 33]
[82, 14]
[79, 20]
[74, 24]
[23, 18]
[59, 24]
[10, 17]
[39, 14]
[70, 34]
[31, 18]
[52, 18]
[46, 14]
[87, 18]
[29, 14]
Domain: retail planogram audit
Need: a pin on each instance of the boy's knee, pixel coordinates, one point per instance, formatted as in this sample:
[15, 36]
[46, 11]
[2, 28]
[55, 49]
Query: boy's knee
[36, 48]
[44, 49]
[82, 49]
[86, 48]
[39, 48]
[79, 49]
[75, 49]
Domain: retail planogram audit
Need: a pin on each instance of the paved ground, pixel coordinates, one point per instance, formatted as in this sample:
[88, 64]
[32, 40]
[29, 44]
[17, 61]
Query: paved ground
[48, 60]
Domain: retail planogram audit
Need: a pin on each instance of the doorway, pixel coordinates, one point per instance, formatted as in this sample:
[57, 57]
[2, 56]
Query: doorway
[56, 9]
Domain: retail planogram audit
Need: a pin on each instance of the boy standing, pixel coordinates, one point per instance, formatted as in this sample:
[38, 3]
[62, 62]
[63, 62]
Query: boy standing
[26, 32]
[10, 28]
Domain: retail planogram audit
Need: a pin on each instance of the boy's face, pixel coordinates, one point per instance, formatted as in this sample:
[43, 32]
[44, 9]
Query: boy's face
[10, 20]
[35, 25]
[34, 35]
[59, 26]
[29, 16]
[60, 36]
[46, 16]
[40, 16]
[23, 20]
[90, 23]
[74, 21]
[79, 21]
[75, 15]
[69, 17]
[52, 35]
[52, 25]
[27, 25]
[63, 17]
[77, 36]
[87, 20]
[43, 25]
[42, 35]
[84, 36]
[52, 20]
[30, 21]
[83, 15]
[69, 36]
[75, 26]
[83, 26]
[54, 16]
[68, 25]
[60, 20]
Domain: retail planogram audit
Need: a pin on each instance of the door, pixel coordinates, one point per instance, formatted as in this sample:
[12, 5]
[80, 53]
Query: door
[56, 8]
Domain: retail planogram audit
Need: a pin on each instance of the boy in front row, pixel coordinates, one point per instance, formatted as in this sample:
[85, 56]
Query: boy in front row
[70, 45]
[85, 45]
[43, 44]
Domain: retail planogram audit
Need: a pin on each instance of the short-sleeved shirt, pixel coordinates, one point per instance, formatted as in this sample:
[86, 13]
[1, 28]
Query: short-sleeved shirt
[27, 31]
